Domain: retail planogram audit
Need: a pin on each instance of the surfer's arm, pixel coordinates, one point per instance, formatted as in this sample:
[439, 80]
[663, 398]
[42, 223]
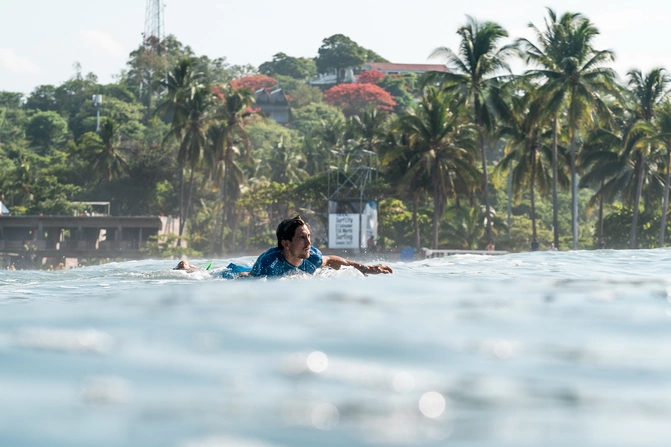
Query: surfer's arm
[335, 262]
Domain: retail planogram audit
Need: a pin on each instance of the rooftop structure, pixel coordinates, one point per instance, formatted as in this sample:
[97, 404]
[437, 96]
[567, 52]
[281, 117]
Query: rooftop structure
[391, 68]
[93, 236]
[273, 104]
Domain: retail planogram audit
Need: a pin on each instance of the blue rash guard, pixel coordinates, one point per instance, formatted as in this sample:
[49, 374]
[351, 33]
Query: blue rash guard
[272, 263]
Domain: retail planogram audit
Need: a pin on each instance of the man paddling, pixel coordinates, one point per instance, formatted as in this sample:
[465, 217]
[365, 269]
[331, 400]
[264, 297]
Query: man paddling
[184, 265]
[294, 252]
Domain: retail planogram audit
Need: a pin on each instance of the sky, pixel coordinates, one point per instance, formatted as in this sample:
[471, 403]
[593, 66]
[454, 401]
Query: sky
[41, 40]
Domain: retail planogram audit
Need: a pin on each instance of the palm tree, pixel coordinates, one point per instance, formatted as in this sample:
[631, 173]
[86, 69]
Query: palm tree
[104, 152]
[573, 77]
[285, 164]
[473, 71]
[369, 129]
[441, 147]
[524, 128]
[411, 186]
[180, 86]
[663, 124]
[196, 115]
[602, 163]
[464, 225]
[619, 175]
[230, 133]
[316, 158]
[647, 91]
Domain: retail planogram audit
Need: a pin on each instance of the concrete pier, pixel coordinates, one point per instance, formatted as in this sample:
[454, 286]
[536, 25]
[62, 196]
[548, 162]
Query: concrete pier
[75, 236]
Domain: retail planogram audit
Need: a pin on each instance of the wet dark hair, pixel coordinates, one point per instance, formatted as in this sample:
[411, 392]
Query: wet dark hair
[286, 230]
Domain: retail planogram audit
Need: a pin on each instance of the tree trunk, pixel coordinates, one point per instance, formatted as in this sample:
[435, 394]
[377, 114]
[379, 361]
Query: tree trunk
[187, 210]
[637, 200]
[574, 193]
[665, 202]
[235, 230]
[483, 156]
[555, 204]
[485, 180]
[510, 200]
[223, 211]
[534, 236]
[600, 234]
[415, 223]
[181, 203]
[220, 203]
[438, 208]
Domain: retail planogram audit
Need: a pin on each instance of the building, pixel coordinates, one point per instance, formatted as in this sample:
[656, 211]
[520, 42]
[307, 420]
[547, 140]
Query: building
[273, 104]
[36, 239]
[349, 75]
[389, 68]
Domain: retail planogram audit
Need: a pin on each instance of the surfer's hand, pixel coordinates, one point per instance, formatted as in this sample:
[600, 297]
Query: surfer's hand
[377, 269]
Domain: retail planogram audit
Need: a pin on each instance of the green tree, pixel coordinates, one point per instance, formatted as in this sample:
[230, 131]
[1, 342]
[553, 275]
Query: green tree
[196, 114]
[74, 93]
[647, 91]
[663, 123]
[46, 130]
[285, 164]
[294, 67]
[338, 53]
[442, 148]
[308, 119]
[230, 135]
[573, 75]
[10, 100]
[399, 87]
[103, 151]
[180, 86]
[601, 163]
[42, 98]
[397, 158]
[369, 129]
[526, 153]
[474, 69]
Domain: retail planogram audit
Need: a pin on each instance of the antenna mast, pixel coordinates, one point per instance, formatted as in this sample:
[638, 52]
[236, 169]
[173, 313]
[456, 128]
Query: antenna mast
[154, 26]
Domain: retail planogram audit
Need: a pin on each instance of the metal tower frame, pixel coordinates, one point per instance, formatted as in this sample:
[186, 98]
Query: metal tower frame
[154, 26]
[349, 176]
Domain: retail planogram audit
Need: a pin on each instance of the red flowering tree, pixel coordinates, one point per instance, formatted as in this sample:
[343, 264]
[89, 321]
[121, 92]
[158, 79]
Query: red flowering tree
[370, 77]
[352, 98]
[254, 83]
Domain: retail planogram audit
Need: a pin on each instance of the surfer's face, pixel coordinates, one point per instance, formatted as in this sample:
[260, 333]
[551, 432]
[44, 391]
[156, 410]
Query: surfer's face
[299, 246]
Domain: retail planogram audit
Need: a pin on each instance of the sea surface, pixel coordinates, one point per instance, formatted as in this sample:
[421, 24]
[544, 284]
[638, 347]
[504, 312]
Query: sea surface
[533, 349]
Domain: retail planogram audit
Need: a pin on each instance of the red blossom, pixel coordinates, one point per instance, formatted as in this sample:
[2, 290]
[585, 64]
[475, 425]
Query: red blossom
[352, 98]
[217, 92]
[254, 83]
[370, 77]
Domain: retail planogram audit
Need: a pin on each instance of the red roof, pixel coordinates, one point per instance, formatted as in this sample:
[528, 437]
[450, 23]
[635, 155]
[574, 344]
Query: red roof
[388, 66]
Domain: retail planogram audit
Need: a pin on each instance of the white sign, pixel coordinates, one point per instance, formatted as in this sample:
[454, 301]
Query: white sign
[344, 230]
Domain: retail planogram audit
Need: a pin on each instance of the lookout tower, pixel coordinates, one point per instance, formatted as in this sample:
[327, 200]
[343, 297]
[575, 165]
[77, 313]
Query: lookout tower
[352, 216]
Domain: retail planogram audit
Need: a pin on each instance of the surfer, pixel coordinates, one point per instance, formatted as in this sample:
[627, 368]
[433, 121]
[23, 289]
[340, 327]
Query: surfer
[184, 265]
[294, 252]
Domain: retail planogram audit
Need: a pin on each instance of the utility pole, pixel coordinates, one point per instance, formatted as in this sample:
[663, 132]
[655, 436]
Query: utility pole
[98, 103]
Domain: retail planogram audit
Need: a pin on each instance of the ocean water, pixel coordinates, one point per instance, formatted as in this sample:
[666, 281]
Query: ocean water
[538, 349]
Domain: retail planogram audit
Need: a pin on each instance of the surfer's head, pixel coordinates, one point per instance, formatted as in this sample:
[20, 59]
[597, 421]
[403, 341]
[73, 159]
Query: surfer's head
[286, 230]
[184, 265]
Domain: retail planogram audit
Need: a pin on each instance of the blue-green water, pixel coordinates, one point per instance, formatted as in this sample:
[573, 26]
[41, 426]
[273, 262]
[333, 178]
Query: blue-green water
[546, 348]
